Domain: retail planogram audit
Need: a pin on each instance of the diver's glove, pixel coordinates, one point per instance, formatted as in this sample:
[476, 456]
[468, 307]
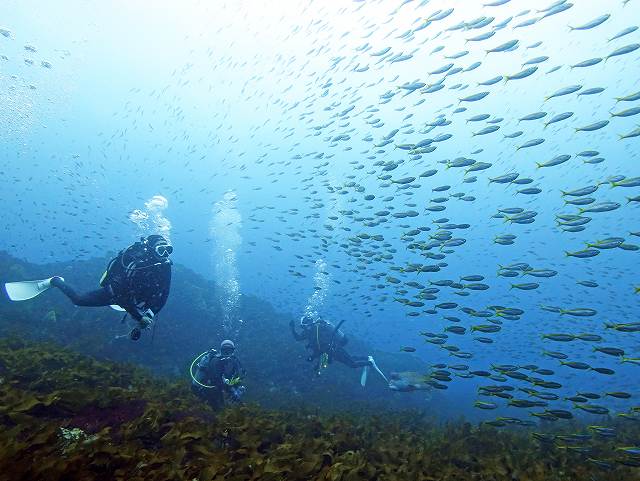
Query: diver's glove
[146, 321]
[237, 392]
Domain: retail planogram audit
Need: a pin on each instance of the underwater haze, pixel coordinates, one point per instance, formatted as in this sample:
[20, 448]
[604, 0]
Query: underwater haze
[457, 182]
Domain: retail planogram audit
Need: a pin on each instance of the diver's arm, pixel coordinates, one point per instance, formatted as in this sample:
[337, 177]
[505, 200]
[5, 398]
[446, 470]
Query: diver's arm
[240, 371]
[134, 311]
[164, 286]
[159, 292]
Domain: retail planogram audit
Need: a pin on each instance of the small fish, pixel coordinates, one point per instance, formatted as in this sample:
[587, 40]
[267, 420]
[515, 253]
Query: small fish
[580, 201]
[525, 403]
[592, 91]
[485, 405]
[486, 328]
[536, 60]
[559, 118]
[560, 413]
[631, 450]
[627, 113]
[555, 355]
[531, 143]
[623, 50]
[594, 126]
[505, 47]
[630, 135]
[587, 63]
[522, 74]
[579, 312]
[581, 192]
[592, 408]
[603, 370]
[576, 365]
[593, 23]
[629, 98]
[602, 207]
[530, 191]
[611, 351]
[533, 116]
[559, 337]
[486, 130]
[481, 37]
[557, 160]
[619, 395]
[526, 286]
[474, 97]
[514, 135]
[491, 81]
[589, 337]
[624, 327]
[564, 91]
[624, 32]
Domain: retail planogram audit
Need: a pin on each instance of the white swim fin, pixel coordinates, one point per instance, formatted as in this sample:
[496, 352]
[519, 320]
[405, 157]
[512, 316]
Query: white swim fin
[116, 307]
[363, 376]
[21, 291]
[375, 366]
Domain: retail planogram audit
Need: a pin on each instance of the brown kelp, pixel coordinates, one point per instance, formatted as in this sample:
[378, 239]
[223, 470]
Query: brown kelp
[68, 416]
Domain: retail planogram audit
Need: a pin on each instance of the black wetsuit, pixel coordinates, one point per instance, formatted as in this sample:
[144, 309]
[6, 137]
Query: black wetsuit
[212, 370]
[323, 338]
[136, 280]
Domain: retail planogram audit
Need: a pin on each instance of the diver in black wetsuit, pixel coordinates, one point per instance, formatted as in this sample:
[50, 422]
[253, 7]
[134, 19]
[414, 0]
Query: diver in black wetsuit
[138, 279]
[326, 343]
[218, 374]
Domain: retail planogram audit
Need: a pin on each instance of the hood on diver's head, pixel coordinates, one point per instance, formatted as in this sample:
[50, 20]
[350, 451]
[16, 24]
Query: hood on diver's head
[159, 245]
[307, 320]
[227, 347]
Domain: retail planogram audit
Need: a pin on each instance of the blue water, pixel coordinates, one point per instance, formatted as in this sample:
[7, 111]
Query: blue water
[277, 104]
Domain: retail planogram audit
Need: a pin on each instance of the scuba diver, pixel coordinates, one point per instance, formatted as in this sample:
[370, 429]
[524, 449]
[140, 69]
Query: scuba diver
[218, 375]
[327, 342]
[137, 281]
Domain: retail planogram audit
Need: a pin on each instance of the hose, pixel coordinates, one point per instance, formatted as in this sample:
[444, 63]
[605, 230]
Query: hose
[191, 372]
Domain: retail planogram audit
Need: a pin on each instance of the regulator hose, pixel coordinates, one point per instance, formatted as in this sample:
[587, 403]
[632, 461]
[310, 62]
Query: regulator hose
[191, 371]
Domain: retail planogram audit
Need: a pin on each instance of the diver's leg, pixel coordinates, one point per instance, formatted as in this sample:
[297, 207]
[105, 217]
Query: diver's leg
[361, 361]
[99, 297]
[345, 358]
[216, 398]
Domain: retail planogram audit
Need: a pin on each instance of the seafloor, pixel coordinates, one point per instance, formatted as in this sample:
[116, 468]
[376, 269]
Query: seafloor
[66, 416]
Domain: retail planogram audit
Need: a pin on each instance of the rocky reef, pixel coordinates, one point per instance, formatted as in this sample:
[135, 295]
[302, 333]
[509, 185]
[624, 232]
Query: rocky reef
[77, 403]
[67, 416]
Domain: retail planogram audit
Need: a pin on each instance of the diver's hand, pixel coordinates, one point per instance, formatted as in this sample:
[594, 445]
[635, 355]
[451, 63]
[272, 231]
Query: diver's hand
[146, 321]
[237, 392]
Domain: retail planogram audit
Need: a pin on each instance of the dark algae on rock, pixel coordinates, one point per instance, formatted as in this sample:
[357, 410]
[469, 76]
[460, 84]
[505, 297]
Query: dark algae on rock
[66, 416]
